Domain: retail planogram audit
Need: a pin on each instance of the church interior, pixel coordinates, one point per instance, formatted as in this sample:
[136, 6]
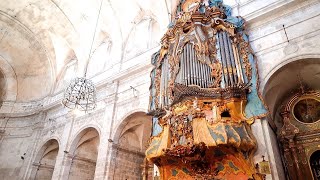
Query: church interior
[160, 90]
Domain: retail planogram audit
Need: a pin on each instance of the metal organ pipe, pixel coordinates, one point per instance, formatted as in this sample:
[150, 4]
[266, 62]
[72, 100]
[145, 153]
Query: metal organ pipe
[219, 57]
[202, 74]
[205, 75]
[161, 87]
[182, 68]
[191, 65]
[239, 63]
[194, 75]
[232, 60]
[192, 71]
[196, 68]
[166, 81]
[208, 76]
[188, 65]
[229, 68]
[223, 59]
[199, 70]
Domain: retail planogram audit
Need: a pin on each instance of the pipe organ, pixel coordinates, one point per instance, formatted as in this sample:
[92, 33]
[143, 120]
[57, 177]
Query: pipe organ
[192, 71]
[200, 86]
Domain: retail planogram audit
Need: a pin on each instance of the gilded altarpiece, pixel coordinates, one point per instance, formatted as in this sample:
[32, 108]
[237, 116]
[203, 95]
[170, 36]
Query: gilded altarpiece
[300, 134]
[204, 96]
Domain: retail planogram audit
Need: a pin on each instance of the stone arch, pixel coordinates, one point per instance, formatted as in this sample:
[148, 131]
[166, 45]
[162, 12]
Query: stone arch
[101, 57]
[45, 160]
[119, 126]
[314, 162]
[83, 153]
[283, 63]
[129, 144]
[80, 133]
[43, 145]
[140, 36]
[67, 74]
[284, 78]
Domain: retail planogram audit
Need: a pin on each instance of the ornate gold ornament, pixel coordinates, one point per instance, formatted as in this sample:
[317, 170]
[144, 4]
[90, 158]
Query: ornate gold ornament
[199, 94]
[299, 135]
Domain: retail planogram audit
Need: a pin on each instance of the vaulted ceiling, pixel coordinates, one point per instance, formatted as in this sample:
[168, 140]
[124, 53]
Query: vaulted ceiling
[41, 39]
[46, 43]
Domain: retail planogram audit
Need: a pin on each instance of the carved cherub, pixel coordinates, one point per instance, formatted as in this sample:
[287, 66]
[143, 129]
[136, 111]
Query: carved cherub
[168, 114]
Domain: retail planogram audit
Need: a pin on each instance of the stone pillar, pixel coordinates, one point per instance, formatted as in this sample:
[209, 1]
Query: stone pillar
[32, 166]
[268, 147]
[102, 154]
[63, 159]
[109, 119]
[147, 170]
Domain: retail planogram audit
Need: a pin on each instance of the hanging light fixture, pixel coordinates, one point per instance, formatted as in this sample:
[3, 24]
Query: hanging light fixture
[81, 92]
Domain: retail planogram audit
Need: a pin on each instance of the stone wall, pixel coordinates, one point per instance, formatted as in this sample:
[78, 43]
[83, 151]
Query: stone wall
[127, 164]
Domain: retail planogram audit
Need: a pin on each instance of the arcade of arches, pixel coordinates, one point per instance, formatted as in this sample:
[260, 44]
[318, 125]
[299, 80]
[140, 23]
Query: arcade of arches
[45, 44]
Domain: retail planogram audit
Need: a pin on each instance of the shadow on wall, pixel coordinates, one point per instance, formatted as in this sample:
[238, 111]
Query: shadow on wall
[2, 88]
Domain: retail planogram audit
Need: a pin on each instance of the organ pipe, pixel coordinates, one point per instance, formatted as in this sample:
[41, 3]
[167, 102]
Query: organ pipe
[223, 57]
[234, 74]
[227, 55]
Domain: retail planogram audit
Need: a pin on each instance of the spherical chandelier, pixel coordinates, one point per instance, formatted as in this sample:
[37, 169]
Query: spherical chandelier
[80, 94]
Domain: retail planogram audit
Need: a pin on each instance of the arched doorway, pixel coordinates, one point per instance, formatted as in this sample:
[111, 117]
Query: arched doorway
[84, 155]
[128, 150]
[315, 164]
[46, 160]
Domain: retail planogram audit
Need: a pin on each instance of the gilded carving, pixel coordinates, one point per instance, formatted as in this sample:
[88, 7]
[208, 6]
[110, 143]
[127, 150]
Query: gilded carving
[244, 53]
[201, 97]
[299, 139]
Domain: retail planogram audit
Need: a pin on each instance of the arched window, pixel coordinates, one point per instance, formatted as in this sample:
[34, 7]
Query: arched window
[143, 36]
[101, 58]
[68, 73]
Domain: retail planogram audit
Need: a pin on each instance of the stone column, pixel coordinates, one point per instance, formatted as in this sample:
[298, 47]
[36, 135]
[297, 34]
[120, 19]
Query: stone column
[103, 148]
[32, 167]
[268, 147]
[111, 103]
[63, 160]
